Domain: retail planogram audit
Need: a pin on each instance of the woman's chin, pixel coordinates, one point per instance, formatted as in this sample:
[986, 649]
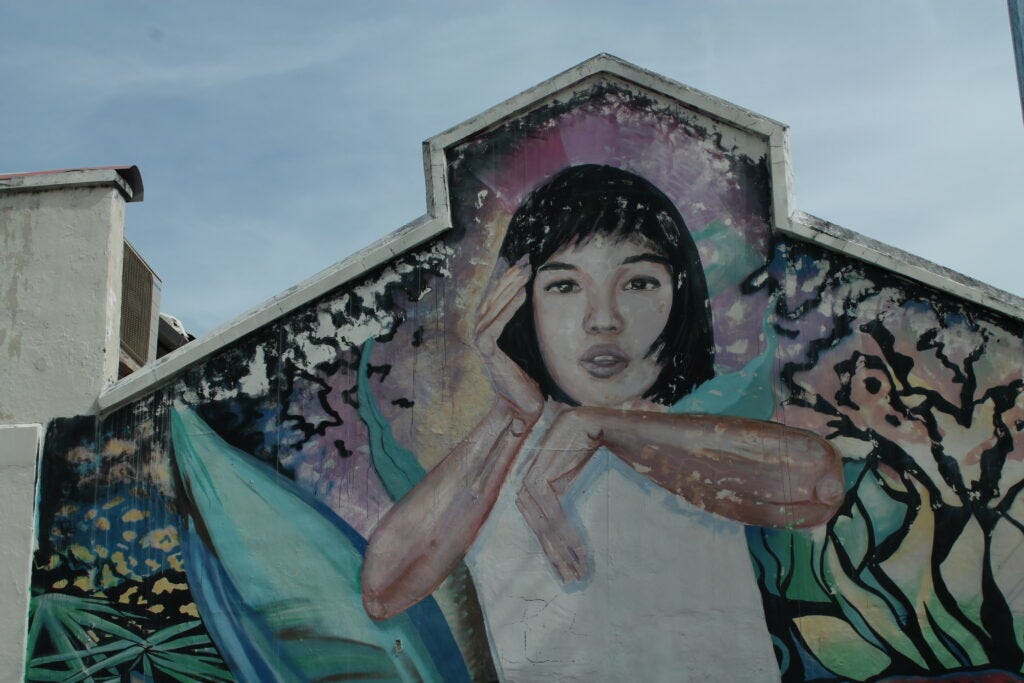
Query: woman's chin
[618, 402]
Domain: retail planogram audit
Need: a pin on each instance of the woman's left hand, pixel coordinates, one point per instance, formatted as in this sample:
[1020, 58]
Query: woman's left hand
[561, 455]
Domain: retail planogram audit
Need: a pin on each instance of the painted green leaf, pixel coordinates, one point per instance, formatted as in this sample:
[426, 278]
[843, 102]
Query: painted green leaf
[837, 646]
[90, 645]
[869, 613]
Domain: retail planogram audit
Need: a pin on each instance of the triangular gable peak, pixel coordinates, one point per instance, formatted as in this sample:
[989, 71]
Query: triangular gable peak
[722, 164]
[607, 81]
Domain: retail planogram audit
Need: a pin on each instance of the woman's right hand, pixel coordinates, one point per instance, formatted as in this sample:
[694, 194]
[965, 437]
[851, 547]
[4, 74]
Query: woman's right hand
[562, 453]
[508, 379]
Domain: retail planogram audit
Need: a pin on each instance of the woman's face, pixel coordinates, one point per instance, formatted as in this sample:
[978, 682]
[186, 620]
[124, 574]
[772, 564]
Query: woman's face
[598, 307]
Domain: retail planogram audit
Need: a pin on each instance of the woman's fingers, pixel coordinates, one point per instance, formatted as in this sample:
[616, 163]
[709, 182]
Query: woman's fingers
[558, 539]
[501, 305]
[560, 457]
[495, 312]
[511, 382]
[487, 336]
[501, 289]
[500, 309]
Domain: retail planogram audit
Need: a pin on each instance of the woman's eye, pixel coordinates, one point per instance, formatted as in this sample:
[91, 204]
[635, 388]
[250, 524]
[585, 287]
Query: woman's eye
[562, 287]
[641, 284]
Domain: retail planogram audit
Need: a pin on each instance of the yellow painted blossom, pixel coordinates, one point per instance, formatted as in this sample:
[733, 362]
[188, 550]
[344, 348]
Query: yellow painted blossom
[165, 586]
[116, 447]
[120, 563]
[134, 515]
[80, 552]
[126, 597]
[165, 539]
[107, 577]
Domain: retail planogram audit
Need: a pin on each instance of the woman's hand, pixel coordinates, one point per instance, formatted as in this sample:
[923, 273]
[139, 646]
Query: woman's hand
[424, 536]
[508, 379]
[561, 455]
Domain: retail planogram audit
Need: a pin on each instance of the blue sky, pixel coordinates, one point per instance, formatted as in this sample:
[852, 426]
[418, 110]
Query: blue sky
[276, 138]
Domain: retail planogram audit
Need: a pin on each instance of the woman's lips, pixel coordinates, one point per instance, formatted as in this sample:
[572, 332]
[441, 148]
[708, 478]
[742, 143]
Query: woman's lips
[603, 362]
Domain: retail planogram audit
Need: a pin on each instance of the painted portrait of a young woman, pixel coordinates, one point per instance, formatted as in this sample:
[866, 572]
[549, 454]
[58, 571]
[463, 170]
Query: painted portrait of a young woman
[594, 509]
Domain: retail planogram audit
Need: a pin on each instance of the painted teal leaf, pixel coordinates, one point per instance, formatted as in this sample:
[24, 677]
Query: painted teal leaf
[736, 258]
[397, 467]
[277, 577]
[748, 392]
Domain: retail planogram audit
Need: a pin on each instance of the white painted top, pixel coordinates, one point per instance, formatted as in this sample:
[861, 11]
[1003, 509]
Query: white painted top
[666, 581]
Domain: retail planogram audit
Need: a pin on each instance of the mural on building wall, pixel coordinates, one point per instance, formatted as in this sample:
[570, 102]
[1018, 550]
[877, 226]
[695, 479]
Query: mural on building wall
[608, 427]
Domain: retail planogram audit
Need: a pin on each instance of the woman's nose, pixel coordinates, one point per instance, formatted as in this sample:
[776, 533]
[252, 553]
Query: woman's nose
[602, 315]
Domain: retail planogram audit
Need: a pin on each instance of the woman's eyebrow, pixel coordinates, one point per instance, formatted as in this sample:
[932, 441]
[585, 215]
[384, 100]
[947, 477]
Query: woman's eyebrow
[651, 258]
[557, 265]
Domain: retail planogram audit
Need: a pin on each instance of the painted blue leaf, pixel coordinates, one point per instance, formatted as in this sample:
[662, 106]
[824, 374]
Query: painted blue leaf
[276, 577]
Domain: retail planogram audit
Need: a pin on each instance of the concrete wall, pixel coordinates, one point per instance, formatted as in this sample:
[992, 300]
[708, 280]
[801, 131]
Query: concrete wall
[19, 457]
[60, 275]
[670, 443]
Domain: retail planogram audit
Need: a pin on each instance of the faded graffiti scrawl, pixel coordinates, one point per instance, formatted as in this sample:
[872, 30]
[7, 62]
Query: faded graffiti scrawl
[610, 426]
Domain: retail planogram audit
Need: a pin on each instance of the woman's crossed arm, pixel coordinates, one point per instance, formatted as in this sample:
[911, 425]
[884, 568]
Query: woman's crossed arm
[424, 536]
[755, 472]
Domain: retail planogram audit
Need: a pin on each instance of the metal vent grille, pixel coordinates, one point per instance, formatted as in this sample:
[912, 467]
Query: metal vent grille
[136, 305]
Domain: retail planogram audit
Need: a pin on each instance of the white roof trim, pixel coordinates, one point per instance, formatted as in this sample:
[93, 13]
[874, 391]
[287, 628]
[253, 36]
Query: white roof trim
[140, 382]
[126, 179]
[810, 228]
[438, 220]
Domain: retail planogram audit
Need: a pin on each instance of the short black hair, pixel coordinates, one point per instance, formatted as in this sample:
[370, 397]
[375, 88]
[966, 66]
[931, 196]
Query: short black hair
[582, 202]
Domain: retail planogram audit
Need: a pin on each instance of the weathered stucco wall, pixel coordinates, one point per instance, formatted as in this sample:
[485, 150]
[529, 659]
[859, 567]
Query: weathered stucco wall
[60, 278]
[610, 426]
[19, 457]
